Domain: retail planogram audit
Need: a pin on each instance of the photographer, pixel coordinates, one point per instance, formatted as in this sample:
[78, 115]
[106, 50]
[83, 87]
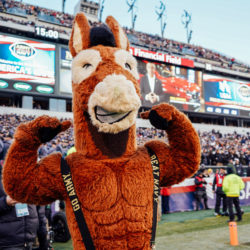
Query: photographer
[200, 190]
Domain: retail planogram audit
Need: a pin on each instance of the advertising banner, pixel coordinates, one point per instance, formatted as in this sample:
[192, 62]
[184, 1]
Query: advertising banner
[161, 57]
[27, 60]
[172, 84]
[226, 95]
[182, 195]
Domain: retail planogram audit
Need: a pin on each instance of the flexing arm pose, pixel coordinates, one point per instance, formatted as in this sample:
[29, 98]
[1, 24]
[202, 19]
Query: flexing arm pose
[181, 157]
[25, 179]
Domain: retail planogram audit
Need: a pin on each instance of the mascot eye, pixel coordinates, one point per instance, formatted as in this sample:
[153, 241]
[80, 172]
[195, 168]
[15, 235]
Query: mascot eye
[86, 65]
[127, 66]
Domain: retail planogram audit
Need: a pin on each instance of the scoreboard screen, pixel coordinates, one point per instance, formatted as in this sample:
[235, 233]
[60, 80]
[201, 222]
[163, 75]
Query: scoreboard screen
[28, 65]
[27, 60]
[173, 84]
[226, 96]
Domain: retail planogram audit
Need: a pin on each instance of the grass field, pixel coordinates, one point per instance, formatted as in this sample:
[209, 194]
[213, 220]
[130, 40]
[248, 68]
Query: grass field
[195, 231]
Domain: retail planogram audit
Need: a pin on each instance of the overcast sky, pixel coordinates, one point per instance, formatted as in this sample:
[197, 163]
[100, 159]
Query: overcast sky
[221, 25]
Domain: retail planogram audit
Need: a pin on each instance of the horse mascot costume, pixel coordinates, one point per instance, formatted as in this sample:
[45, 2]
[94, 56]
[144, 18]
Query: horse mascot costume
[111, 178]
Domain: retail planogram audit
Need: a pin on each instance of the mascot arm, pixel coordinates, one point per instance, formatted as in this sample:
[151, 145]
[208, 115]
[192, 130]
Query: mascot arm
[24, 178]
[181, 157]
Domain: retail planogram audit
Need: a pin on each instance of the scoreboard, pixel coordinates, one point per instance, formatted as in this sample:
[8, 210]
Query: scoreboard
[27, 65]
[36, 66]
[228, 96]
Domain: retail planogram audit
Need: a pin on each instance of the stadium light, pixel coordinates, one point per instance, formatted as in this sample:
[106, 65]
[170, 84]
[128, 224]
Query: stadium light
[101, 6]
[133, 9]
[186, 19]
[162, 16]
[63, 5]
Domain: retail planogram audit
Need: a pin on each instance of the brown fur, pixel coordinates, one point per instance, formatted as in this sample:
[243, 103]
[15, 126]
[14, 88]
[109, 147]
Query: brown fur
[115, 190]
[114, 26]
[83, 24]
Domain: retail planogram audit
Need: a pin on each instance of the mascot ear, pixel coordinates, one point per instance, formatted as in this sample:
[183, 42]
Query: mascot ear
[120, 36]
[79, 39]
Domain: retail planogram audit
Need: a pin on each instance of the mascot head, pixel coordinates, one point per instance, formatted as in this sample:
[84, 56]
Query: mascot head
[106, 95]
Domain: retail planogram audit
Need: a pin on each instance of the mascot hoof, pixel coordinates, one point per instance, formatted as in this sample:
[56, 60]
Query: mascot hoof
[157, 121]
[160, 116]
[40, 130]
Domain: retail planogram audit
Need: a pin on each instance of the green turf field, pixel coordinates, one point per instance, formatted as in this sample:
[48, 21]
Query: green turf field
[195, 231]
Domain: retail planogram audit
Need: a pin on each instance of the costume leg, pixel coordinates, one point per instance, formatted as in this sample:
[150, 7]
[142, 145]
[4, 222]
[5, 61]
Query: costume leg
[230, 208]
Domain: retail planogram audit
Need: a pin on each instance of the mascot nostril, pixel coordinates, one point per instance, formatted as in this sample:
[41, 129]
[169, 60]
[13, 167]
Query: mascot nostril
[109, 184]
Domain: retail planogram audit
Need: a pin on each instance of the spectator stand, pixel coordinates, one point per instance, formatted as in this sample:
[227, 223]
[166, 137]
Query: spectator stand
[230, 139]
[220, 144]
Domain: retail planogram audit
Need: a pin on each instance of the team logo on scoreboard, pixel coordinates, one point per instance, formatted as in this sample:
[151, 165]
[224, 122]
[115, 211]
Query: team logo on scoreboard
[244, 92]
[22, 51]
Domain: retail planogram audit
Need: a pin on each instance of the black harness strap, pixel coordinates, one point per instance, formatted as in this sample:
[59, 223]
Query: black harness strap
[156, 174]
[69, 186]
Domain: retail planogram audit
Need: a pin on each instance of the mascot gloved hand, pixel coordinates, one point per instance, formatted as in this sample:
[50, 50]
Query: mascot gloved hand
[112, 177]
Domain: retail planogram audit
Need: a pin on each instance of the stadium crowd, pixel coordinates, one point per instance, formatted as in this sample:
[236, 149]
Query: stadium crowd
[149, 41]
[14, 7]
[217, 148]
[12, 20]
[156, 43]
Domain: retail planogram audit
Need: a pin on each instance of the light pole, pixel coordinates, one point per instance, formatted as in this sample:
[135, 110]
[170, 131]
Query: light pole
[132, 8]
[101, 6]
[186, 20]
[162, 16]
[63, 5]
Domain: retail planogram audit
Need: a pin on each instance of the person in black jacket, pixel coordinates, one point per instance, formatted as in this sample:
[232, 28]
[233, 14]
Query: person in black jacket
[200, 190]
[151, 87]
[16, 233]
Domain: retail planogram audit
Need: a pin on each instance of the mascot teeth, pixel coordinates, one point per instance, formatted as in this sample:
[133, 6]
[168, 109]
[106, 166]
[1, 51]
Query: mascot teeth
[106, 116]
